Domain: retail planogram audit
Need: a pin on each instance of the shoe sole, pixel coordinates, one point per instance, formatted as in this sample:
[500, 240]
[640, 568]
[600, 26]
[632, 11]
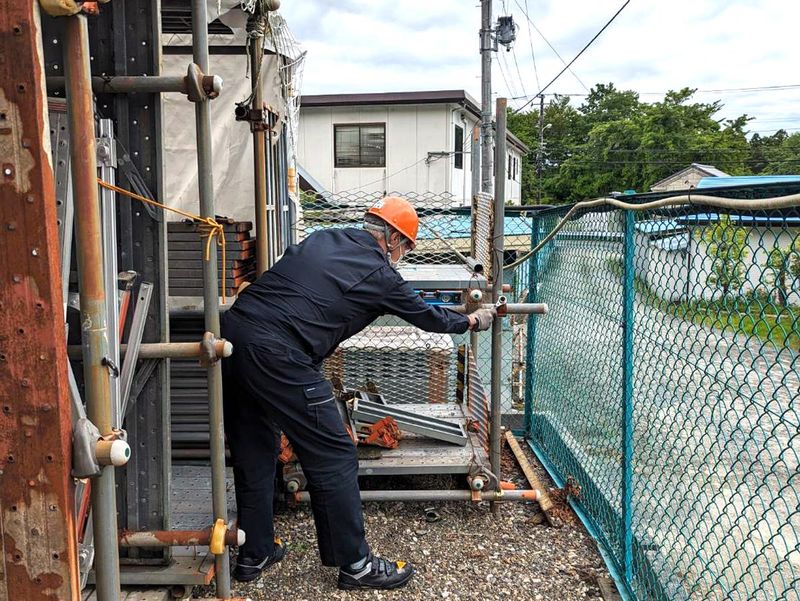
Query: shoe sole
[363, 587]
[249, 578]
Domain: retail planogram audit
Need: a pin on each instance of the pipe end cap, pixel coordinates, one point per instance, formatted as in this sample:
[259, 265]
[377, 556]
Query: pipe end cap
[120, 453]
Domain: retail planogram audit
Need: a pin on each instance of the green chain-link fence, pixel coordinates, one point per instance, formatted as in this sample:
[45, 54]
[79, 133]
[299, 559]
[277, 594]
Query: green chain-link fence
[664, 382]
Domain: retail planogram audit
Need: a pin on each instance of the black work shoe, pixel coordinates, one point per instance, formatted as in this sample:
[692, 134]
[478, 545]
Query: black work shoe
[247, 570]
[378, 573]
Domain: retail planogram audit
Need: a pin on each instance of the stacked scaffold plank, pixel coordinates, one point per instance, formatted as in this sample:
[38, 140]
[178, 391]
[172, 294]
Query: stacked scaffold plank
[186, 253]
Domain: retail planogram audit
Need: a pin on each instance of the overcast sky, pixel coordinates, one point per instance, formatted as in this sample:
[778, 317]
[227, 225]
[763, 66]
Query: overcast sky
[652, 46]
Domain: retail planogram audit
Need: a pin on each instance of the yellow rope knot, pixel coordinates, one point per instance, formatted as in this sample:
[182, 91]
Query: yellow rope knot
[208, 227]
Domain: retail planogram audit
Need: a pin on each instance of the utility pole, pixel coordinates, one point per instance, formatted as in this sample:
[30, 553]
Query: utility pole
[540, 152]
[487, 47]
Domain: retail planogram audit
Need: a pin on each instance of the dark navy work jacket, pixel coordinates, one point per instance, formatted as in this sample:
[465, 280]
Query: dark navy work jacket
[329, 287]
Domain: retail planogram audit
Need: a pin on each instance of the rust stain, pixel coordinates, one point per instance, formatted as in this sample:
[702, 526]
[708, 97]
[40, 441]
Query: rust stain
[37, 523]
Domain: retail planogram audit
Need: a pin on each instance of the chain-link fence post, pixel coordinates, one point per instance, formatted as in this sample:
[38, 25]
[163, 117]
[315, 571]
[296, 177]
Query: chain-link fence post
[533, 279]
[627, 394]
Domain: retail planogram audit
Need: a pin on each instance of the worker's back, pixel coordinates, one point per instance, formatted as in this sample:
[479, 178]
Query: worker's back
[320, 292]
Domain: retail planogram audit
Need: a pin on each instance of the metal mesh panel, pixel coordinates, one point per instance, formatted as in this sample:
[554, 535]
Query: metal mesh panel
[666, 384]
[482, 228]
[444, 224]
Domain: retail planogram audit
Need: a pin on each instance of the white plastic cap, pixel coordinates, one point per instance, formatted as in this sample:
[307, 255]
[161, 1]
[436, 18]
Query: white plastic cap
[120, 453]
[475, 295]
[240, 537]
[227, 349]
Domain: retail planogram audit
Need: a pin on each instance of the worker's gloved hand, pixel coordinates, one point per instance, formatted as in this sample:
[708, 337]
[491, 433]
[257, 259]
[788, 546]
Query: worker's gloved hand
[483, 319]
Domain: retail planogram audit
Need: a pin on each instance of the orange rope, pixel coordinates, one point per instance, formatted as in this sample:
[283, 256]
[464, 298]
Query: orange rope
[209, 227]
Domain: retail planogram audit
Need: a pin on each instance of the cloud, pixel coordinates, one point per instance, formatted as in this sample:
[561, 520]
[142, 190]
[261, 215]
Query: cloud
[377, 45]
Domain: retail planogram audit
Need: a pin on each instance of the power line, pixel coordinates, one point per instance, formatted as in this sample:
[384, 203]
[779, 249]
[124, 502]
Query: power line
[530, 42]
[777, 88]
[519, 74]
[532, 24]
[589, 43]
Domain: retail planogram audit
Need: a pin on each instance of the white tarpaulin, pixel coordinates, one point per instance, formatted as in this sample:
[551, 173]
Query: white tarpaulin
[232, 143]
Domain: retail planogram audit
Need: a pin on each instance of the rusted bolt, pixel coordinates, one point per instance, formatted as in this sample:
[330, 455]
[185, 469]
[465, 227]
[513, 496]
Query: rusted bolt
[49, 459]
[25, 382]
[6, 408]
[35, 252]
[17, 278]
[8, 171]
[17, 556]
[17, 30]
[52, 507]
[11, 225]
[35, 531]
[42, 357]
[10, 459]
[29, 199]
[46, 408]
[26, 142]
[56, 556]
[21, 88]
[3, 357]
[31, 483]
[21, 331]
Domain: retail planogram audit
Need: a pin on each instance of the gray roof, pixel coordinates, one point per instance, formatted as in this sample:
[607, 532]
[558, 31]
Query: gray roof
[421, 97]
[708, 170]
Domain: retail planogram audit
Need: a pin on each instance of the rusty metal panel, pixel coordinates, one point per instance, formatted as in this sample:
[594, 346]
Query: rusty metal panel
[39, 559]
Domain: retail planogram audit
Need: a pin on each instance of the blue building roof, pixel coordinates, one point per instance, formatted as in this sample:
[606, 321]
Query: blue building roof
[742, 220]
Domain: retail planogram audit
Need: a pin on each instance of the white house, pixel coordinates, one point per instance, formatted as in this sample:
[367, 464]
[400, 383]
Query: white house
[397, 141]
[687, 178]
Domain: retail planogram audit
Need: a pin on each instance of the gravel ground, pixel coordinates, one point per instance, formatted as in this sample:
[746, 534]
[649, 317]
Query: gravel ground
[467, 554]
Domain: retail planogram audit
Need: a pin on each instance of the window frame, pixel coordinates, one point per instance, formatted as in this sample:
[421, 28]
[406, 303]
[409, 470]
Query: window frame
[360, 165]
[458, 153]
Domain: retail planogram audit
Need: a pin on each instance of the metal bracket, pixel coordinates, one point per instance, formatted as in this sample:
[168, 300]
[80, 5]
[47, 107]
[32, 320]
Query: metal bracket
[257, 118]
[201, 87]
[106, 152]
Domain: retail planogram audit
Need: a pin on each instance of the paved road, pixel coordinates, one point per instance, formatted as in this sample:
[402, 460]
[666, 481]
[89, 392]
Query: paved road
[716, 429]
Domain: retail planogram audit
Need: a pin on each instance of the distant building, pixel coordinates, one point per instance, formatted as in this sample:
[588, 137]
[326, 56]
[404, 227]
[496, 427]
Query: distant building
[687, 178]
[397, 141]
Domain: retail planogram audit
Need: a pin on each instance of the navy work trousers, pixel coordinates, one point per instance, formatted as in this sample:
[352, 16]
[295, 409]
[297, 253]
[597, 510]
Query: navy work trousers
[271, 387]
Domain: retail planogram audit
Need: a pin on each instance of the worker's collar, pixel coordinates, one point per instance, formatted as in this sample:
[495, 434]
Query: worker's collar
[364, 236]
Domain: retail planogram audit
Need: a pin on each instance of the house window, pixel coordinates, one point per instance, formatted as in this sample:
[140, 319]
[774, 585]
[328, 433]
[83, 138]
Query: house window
[458, 147]
[509, 167]
[359, 145]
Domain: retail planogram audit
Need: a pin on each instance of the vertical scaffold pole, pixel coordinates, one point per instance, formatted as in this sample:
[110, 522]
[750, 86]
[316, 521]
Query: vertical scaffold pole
[205, 182]
[91, 285]
[497, 286]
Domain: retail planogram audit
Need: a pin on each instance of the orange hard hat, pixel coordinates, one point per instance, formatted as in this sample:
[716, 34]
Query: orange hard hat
[399, 214]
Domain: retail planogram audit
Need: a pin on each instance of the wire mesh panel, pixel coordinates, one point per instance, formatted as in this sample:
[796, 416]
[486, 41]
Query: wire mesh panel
[678, 412]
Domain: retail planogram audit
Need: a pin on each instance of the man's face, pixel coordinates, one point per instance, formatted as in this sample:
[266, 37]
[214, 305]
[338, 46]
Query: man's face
[399, 245]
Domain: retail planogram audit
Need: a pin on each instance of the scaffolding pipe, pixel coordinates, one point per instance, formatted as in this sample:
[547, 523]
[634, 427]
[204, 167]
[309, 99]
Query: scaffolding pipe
[89, 246]
[507, 308]
[143, 84]
[255, 48]
[497, 287]
[177, 538]
[438, 495]
[210, 291]
[168, 350]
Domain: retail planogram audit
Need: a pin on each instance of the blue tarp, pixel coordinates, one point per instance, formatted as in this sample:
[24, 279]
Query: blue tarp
[745, 180]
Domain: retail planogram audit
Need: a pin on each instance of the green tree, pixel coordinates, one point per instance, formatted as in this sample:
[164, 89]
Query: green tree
[784, 158]
[726, 245]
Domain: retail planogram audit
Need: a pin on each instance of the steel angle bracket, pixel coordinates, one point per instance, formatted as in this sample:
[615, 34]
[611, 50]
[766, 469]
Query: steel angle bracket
[368, 412]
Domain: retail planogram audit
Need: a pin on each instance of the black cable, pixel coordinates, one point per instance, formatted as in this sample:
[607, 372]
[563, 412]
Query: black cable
[530, 21]
[597, 35]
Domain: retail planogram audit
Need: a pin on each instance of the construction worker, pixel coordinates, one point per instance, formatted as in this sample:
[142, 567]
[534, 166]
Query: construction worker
[322, 291]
